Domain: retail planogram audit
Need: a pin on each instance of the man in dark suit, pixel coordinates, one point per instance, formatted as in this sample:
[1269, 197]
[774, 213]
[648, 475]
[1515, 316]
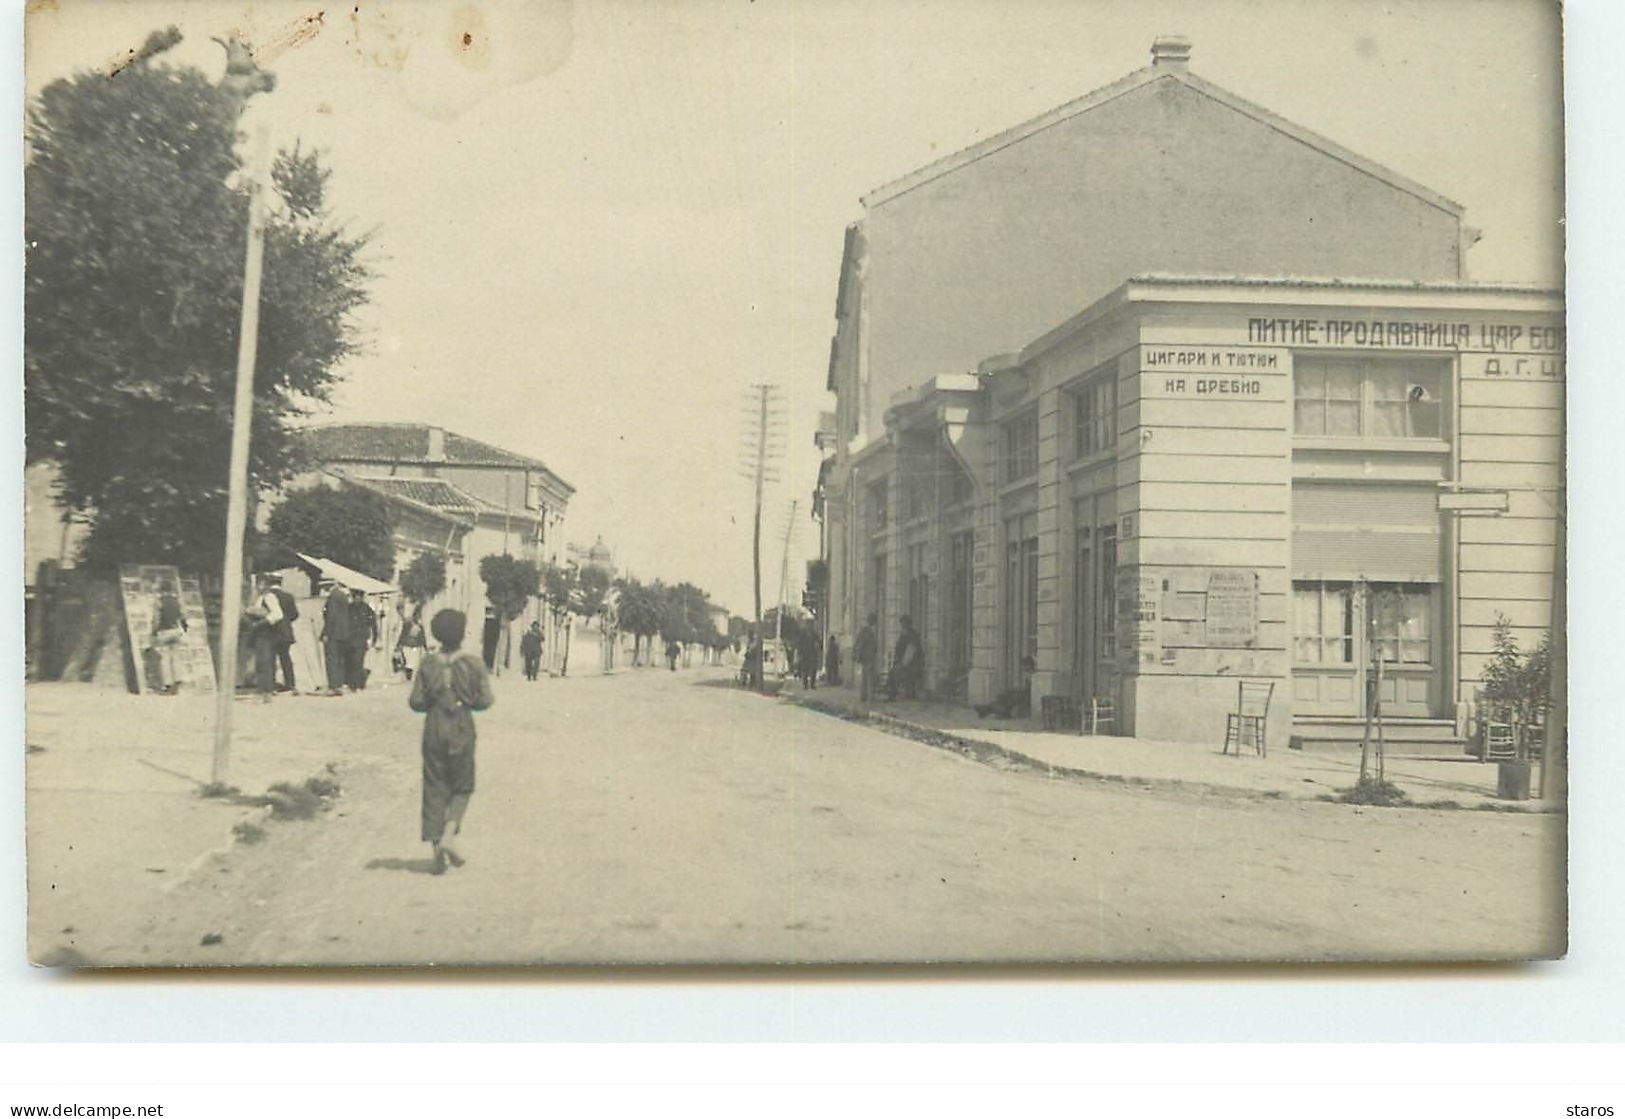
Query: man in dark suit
[283, 644]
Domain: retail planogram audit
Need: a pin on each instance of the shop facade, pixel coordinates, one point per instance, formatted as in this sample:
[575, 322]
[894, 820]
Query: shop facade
[1199, 481]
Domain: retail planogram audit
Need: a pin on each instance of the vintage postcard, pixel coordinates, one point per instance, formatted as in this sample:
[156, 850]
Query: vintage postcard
[539, 482]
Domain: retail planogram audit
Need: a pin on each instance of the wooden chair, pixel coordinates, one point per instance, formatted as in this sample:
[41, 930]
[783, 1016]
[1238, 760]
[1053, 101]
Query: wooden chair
[1500, 742]
[1245, 725]
[1102, 714]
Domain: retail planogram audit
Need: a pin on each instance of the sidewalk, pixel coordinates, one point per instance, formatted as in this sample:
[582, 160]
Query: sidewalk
[1195, 766]
[115, 818]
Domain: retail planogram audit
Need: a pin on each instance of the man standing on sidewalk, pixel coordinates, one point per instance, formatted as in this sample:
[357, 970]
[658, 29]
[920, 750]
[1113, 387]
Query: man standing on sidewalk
[867, 655]
[336, 638]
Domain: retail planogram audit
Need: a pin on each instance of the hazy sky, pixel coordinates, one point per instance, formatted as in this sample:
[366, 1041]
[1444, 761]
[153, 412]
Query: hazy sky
[597, 224]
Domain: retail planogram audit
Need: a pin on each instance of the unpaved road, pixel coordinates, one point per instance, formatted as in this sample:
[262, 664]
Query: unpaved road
[658, 817]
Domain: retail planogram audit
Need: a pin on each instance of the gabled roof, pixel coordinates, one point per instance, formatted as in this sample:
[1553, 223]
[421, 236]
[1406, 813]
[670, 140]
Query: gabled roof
[385, 443]
[1129, 84]
[438, 496]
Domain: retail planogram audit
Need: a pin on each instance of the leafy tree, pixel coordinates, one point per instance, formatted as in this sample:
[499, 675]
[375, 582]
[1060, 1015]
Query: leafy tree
[559, 584]
[1519, 684]
[592, 584]
[354, 526]
[510, 584]
[424, 578]
[135, 226]
[639, 613]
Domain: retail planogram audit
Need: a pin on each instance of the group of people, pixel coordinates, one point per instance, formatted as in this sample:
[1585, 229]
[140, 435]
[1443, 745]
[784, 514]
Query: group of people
[349, 629]
[907, 661]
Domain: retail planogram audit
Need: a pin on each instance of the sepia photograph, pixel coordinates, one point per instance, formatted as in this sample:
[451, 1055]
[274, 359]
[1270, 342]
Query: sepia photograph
[544, 483]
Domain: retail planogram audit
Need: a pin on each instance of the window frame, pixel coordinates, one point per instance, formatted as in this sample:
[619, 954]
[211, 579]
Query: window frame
[1430, 373]
[1095, 404]
[1019, 456]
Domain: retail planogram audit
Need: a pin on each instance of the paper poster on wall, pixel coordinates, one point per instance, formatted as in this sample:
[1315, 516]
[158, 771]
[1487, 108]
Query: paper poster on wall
[1139, 637]
[1232, 609]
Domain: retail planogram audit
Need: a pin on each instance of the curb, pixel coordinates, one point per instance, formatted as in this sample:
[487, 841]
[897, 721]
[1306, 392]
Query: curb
[1002, 757]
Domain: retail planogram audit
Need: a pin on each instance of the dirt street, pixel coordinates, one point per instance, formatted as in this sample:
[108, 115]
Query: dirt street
[666, 817]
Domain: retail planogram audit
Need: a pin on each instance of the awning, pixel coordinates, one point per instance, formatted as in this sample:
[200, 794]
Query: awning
[347, 577]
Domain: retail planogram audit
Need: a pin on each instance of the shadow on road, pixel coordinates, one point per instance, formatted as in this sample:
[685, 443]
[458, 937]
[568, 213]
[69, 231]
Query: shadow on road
[411, 866]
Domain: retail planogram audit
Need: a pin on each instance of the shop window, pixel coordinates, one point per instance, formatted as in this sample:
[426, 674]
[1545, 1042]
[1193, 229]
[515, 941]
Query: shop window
[1323, 623]
[1374, 398]
[1021, 447]
[1094, 412]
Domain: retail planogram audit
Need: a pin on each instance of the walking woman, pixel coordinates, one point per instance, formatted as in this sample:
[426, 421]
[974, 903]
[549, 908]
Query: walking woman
[448, 688]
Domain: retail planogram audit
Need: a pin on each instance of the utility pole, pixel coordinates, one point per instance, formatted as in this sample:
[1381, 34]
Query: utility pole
[784, 573]
[243, 79]
[763, 442]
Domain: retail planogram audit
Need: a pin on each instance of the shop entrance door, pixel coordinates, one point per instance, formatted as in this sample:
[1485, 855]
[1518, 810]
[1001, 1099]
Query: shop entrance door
[1338, 628]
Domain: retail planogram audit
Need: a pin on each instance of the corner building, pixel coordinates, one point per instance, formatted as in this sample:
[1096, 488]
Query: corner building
[1222, 455]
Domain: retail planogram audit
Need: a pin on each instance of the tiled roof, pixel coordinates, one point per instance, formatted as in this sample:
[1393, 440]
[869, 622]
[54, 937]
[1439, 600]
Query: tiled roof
[424, 491]
[387, 443]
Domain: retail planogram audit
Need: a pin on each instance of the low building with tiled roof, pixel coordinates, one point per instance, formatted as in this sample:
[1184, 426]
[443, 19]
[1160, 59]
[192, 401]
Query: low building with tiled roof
[456, 496]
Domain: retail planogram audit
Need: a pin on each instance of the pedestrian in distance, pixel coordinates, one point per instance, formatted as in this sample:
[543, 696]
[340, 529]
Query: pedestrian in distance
[265, 621]
[284, 633]
[832, 662]
[168, 631]
[363, 632]
[867, 652]
[807, 658]
[411, 644]
[490, 638]
[336, 638]
[530, 647]
[673, 651]
[451, 684]
[908, 663]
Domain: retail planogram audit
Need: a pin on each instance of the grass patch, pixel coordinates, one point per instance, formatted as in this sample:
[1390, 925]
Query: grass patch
[1380, 794]
[324, 784]
[1446, 805]
[248, 834]
[1492, 806]
[288, 801]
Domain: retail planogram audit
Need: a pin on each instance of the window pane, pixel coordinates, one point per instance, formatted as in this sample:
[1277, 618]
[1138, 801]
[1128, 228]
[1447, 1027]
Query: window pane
[1343, 382]
[1388, 419]
[1424, 419]
[1309, 381]
[1309, 417]
[1388, 382]
[1306, 611]
[1306, 650]
[1343, 417]
[1337, 651]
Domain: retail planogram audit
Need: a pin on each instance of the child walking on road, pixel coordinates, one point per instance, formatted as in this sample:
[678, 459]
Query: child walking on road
[448, 688]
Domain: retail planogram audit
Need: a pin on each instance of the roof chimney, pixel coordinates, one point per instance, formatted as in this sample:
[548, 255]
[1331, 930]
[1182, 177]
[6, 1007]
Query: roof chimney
[437, 445]
[1171, 52]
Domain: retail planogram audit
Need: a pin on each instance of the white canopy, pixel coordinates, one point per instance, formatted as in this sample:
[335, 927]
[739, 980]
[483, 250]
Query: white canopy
[347, 577]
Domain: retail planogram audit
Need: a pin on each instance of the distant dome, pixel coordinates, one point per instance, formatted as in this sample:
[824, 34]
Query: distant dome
[599, 551]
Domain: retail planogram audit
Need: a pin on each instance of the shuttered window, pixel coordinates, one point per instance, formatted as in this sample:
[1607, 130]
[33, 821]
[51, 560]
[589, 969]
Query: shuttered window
[1385, 532]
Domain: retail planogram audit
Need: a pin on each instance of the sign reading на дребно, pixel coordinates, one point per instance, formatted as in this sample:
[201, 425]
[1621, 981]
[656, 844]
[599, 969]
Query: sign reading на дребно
[1210, 372]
